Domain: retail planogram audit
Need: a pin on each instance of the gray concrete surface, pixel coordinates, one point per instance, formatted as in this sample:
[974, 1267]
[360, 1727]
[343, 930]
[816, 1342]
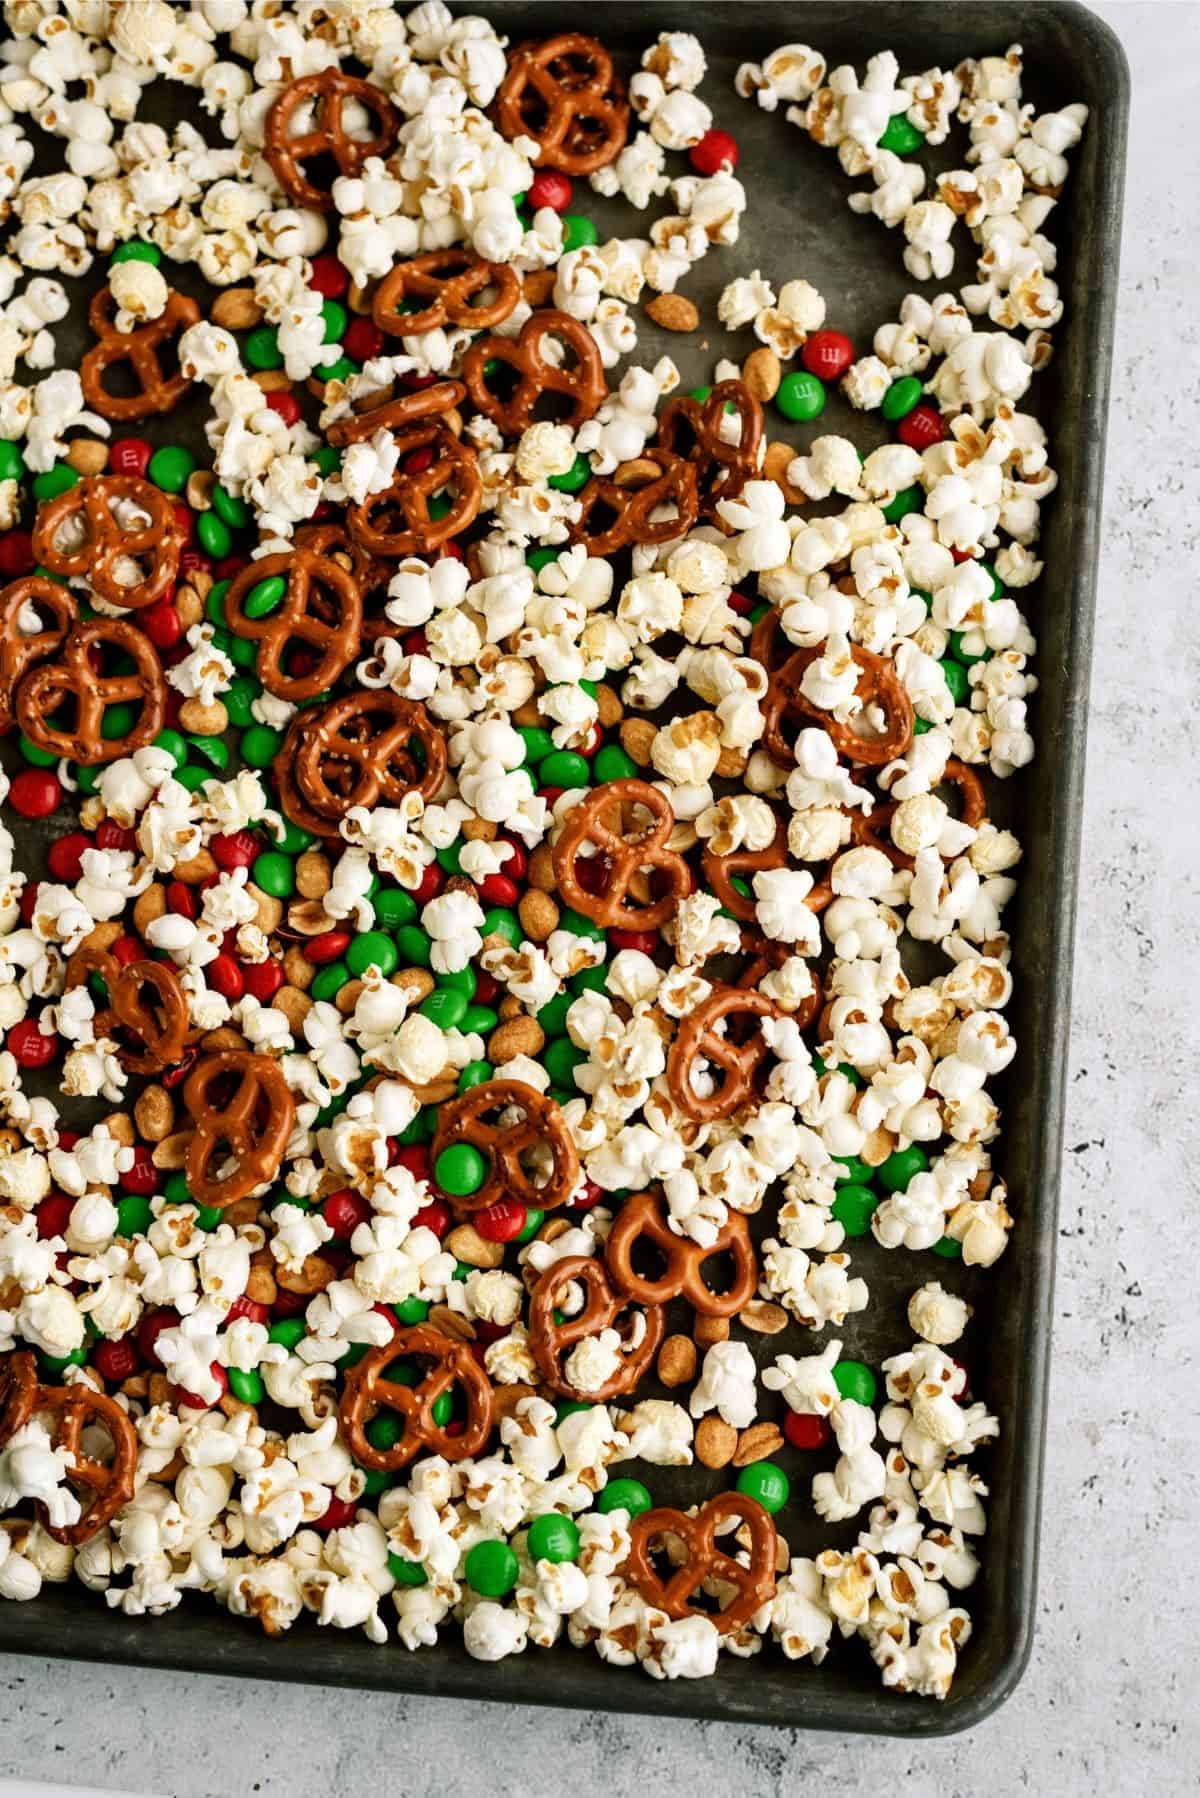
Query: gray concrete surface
[1104, 1706]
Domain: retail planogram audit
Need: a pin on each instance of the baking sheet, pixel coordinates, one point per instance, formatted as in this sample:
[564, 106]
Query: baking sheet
[797, 223]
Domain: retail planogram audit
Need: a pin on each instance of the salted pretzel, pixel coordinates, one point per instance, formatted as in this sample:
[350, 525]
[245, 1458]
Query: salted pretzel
[704, 1563]
[18, 1392]
[157, 391]
[878, 685]
[328, 93]
[613, 516]
[738, 1059]
[582, 383]
[450, 281]
[159, 1026]
[542, 1128]
[250, 1124]
[321, 609]
[872, 829]
[77, 676]
[596, 822]
[552, 1338]
[74, 1409]
[693, 428]
[79, 533]
[369, 1390]
[644, 1218]
[38, 594]
[399, 520]
[563, 94]
[396, 415]
[359, 750]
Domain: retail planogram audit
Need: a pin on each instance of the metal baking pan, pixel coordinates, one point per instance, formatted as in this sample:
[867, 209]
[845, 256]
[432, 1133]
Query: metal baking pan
[798, 223]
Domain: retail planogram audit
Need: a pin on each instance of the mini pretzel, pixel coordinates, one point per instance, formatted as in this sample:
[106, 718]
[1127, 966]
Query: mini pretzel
[739, 1062]
[704, 1561]
[157, 392]
[397, 521]
[19, 652]
[18, 1391]
[583, 384]
[768, 644]
[357, 750]
[43, 690]
[872, 829]
[252, 1125]
[878, 685]
[564, 95]
[322, 609]
[631, 510]
[396, 415]
[643, 1217]
[551, 1342]
[463, 1120]
[368, 1390]
[692, 428]
[625, 857]
[767, 956]
[98, 545]
[75, 1408]
[162, 1032]
[330, 90]
[448, 280]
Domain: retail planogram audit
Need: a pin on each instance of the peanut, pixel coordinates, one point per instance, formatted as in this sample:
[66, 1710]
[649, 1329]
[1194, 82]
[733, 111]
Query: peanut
[418, 982]
[716, 1442]
[189, 605]
[297, 969]
[538, 914]
[200, 867]
[147, 906]
[776, 462]
[347, 997]
[673, 312]
[541, 869]
[314, 875]
[87, 456]
[609, 709]
[762, 1317]
[520, 1036]
[171, 1152]
[295, 1006]
[204, 720]
[120, 1125]
[677, 1361]
[762, 372]
[637, 739]
[198, 491]
[709, 1330]
[237, 309]
[466, 1244]
[758, 1443]
[269, 913]
[154, 1113]
[480, 830]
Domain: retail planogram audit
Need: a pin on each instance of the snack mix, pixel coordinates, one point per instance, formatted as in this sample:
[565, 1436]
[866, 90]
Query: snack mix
[515, 902]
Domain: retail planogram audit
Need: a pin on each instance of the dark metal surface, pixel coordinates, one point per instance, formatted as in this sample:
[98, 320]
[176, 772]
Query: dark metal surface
[798, 224]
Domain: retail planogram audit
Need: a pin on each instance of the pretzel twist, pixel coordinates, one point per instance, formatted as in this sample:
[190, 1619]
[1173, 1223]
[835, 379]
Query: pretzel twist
[703, 1561]
[695, 429]
[18, 651]
[625, 857]
[583, 383]
[321, 608]
[564, 95]
[328, 91]
[449, 281]
[368, 1391]
[102, 548]
[632, 509]
[254, 1123]
[739, 1063]
[157, 392]
[552, 1341]
[542, 1127]
[162, 1032]
[76, 1408]
[643, 1218]
[42, 690]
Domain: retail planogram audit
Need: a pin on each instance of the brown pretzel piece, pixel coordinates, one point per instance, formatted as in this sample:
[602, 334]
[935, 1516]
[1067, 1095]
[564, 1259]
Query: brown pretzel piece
[739, 1061]
[252, 1124]
[329, 91]
[449, 281]
[321, 609]
[631, 509]
[159, 1025]
[583, 383]
[768, 644]
[551, 1342]
[719, 871]
[692, 428]
[76, 1408]
[564, 95]
[19, 652]
[873, 830]
[369, 1390]
[157, 392]
[878, 685]
[395, 415]
[398, 521]
[18, 1391]
[99, 544]
[626, 857]
[643, 1218]
[358, 750]
[43, 690]
[703, 1560]
[464, 1120]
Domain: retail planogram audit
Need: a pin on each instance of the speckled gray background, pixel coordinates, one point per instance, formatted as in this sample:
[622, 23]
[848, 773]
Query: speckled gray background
[1104, 1706]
